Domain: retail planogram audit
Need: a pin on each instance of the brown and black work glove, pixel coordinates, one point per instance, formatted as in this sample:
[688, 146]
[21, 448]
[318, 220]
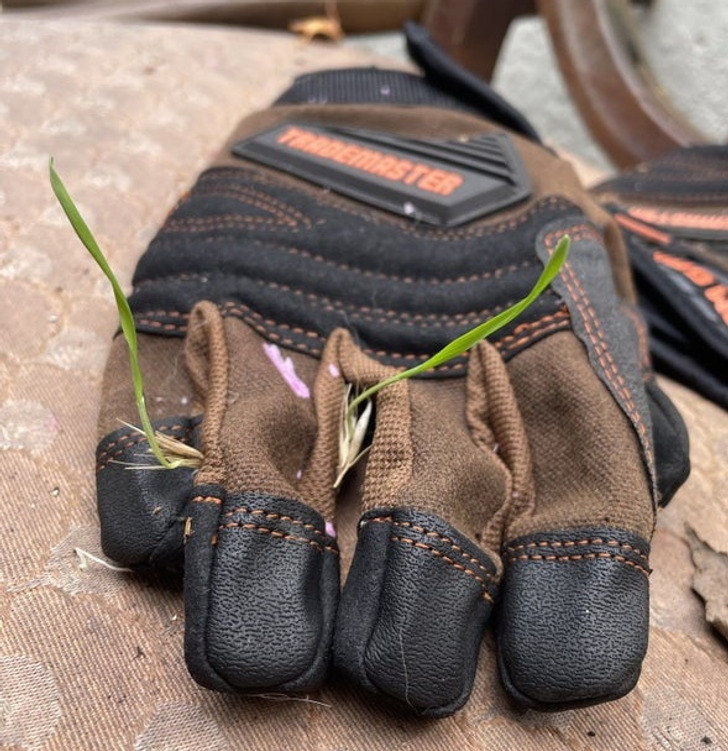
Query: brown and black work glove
[354, 228]
[674, 212]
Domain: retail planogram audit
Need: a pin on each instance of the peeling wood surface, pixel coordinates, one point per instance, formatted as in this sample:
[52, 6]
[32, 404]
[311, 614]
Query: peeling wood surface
[711, 581]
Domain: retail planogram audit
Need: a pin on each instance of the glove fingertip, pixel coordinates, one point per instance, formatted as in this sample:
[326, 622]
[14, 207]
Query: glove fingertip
[574, 619]
[413, 611]
[261, 589]
[140, 505]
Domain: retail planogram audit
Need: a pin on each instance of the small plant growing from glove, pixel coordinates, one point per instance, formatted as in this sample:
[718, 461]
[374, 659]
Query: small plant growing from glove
[169, 452]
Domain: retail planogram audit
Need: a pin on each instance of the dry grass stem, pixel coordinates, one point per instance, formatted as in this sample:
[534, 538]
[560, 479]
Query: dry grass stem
[176, 452]
[352, 432]
[84, 557]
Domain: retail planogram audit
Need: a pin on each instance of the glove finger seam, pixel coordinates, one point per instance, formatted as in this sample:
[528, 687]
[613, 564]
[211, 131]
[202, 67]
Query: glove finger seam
[272, 516]
[277, 534]
[430, 533]
[239, 311]
[574, 543]
[422, 546]
[642, 338]
[588, 314]
[579, 557]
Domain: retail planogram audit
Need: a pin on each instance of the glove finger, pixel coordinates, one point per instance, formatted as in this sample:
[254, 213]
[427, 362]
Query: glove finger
[141, 509]
[261, 567]
[574, 616]
[424, 575]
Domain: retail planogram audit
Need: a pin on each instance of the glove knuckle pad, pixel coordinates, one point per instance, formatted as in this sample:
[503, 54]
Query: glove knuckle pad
[296, 267]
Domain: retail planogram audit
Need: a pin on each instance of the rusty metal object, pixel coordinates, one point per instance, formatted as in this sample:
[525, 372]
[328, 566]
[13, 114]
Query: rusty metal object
[472, 31]
[623, 105]
[599, 55]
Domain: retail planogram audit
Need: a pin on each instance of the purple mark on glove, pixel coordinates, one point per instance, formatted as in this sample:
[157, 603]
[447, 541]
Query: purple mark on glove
[333, 370]
[330, 531]
[284, 365]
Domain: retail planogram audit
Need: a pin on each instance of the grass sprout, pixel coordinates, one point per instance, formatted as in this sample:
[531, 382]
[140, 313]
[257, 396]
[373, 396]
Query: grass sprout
[169, 452]
[352, 434]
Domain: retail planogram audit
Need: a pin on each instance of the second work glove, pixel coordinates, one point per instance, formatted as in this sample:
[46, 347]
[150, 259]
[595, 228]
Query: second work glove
[353, 229]
[674, 213]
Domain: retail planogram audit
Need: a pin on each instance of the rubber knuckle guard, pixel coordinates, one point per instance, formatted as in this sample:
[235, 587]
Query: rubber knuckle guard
[413, 610]
[261, 588]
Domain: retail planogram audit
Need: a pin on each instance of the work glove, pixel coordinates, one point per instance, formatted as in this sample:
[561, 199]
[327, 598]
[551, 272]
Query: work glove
[352, 229]
[674, 213]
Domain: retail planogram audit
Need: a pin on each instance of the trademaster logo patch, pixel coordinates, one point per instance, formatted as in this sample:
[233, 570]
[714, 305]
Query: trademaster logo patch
[440, 182]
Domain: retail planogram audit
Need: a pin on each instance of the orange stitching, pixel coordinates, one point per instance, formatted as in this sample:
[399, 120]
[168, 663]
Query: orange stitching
[642, 339]
[260, 200]
[534, 335]
[621, 385]
[292, 250]
[607, 354]
[207, 499]
[584, 556]
[141, 320]
[105, 458]
[272, 515]
[230, 309]
[561, 321]
[438, 554]
[558, 315]
[597, 336]
[223, 221]
[345, 206]
[577, 543]
[279, 535]
[129, 432]
[429, 533]
[363, 312]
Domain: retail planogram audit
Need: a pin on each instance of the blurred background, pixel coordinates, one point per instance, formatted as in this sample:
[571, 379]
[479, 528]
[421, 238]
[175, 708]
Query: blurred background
[668, 56]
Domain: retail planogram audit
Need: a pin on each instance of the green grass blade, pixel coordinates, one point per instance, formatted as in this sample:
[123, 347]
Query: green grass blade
[126, 317]
[470, 338]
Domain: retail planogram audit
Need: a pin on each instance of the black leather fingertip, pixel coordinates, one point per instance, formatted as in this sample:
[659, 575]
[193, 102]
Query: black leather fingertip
[140, 509]
[413, 610]
[261, 591]
[574, 617]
